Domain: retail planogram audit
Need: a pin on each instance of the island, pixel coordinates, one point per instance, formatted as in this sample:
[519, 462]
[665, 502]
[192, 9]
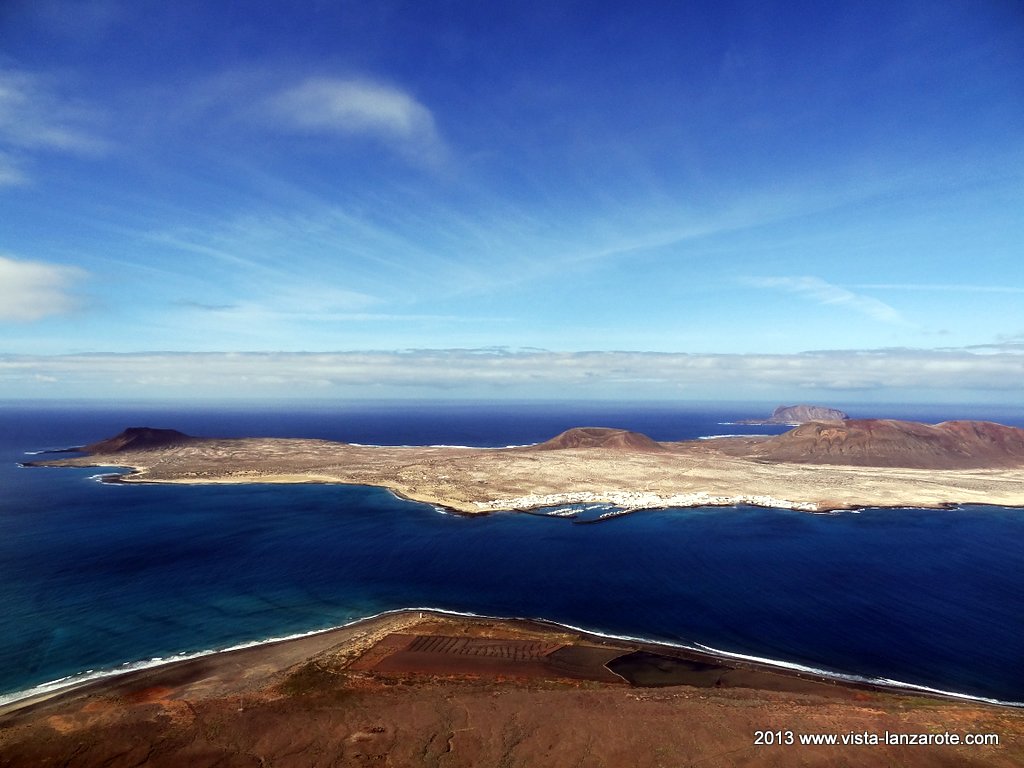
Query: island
[819, 466]
[792, 415]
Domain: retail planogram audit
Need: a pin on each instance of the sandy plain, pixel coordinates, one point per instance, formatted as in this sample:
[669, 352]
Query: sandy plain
[426, 689]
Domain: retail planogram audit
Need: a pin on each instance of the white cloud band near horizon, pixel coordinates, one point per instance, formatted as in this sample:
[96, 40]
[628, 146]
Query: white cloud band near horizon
[906, 375]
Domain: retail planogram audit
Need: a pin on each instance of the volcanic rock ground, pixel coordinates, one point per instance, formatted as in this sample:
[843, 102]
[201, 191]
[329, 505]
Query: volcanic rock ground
[415, 689]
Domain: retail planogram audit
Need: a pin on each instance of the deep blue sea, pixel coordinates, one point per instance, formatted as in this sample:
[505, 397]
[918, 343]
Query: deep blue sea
[94, 577]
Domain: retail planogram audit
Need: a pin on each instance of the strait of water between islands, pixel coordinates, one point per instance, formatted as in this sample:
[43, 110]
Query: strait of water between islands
[96, 577]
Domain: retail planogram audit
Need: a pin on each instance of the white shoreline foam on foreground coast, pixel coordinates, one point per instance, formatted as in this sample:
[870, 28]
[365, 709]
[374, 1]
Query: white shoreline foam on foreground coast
[883, 682]
[70, 682]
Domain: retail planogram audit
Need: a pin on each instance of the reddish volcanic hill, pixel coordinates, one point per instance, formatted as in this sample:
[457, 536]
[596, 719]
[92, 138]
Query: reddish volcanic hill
[139, 439]
[600, 437]
[891, 443]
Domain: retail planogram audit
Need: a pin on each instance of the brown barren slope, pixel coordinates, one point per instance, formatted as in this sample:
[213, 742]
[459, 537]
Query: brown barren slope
[891, 443]
[600, 437]
[414, 689]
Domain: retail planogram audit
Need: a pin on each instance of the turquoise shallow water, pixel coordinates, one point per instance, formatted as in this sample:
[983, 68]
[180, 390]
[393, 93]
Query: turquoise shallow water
[95, 575]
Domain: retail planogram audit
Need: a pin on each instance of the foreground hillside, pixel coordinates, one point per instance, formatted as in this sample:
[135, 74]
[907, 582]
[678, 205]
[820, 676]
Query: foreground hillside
[421, 689]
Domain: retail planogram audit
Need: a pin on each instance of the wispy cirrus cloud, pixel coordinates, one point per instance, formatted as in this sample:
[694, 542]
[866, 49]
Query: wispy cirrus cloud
[821, 292]
[36, 118]
[358, 107]
[942, 287]
[32, 290]
[12, 171]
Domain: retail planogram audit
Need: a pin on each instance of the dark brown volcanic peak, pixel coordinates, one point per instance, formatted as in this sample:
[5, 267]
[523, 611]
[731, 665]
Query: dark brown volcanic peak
[891, 443]
[139, 439]
[600, 437]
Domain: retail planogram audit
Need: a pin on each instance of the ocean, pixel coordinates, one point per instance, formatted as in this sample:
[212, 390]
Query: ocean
[96, 577]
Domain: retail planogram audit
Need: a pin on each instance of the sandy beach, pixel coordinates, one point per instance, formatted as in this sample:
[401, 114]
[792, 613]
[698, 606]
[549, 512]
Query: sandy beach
[421, 688]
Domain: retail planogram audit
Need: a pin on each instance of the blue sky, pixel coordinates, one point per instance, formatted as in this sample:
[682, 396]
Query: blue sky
[742, 198]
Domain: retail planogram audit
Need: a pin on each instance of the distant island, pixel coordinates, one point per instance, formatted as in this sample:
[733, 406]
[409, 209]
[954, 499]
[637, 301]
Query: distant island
[792, 415]
[818, 466]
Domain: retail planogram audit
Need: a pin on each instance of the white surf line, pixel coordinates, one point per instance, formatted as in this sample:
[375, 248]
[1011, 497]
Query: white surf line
[69, 449]
[70, 682]
[881, 682]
